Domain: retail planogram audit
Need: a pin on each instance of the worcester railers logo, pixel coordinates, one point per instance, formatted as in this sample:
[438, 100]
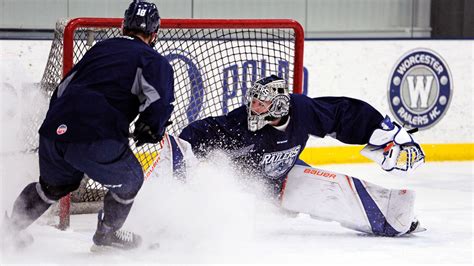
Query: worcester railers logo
[277, 163]
[420, 89]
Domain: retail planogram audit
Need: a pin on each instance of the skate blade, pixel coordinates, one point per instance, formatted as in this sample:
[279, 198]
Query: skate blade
[111, 249]
[104, 249]
[419, 229]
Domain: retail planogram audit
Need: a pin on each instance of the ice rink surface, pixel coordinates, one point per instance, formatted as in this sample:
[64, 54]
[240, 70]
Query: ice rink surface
[214, 219]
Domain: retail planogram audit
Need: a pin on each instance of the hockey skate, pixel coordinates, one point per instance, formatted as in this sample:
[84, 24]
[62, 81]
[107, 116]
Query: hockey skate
[106, 239]
[12, 236]
[415, 227]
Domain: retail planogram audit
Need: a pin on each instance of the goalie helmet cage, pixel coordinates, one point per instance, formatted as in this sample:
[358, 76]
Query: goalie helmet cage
[215, 61]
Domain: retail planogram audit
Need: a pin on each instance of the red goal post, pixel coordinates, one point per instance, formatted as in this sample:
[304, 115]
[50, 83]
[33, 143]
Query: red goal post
[215, 61]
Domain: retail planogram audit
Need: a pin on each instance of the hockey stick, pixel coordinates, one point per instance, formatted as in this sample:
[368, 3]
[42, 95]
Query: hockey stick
[22, 152]
[147, 172]
[155, 159]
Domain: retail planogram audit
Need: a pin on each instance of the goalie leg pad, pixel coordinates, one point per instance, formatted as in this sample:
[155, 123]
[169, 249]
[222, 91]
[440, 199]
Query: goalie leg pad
[395, 214]
[352, 202]
[178, 162]
[176, 159]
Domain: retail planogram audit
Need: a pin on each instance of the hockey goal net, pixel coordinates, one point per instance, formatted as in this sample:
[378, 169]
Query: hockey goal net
[215, 62]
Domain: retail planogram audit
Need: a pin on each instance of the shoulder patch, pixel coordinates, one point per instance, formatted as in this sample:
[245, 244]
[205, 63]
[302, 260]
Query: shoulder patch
[61, 129]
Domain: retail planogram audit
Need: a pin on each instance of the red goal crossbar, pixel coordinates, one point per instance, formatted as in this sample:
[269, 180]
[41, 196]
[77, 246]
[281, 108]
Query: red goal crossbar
[191, 24]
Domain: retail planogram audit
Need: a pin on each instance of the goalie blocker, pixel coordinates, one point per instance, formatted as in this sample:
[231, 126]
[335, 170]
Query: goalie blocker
[325, 195]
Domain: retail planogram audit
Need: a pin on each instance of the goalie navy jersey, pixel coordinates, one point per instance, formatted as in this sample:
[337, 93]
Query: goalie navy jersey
[270, 153]
[116, 80]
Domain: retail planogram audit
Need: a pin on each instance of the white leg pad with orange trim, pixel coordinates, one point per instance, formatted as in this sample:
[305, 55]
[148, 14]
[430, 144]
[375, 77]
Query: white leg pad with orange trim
[175, 158]
[352, 202]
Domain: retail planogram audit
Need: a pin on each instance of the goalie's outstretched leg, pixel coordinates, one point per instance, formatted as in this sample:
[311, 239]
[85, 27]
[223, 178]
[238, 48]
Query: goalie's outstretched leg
[352, 202]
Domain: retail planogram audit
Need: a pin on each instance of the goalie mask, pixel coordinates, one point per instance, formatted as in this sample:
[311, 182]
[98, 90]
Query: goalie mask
[271, 96]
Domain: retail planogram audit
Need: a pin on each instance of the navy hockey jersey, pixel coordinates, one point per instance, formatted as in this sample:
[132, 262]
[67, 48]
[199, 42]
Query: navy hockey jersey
[270, 153]
[116, 80]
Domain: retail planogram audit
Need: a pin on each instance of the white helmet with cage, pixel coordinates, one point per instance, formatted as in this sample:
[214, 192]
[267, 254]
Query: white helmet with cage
[272, 90]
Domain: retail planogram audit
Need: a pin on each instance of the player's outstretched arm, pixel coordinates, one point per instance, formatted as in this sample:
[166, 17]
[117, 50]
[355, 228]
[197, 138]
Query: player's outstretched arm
[349, 120]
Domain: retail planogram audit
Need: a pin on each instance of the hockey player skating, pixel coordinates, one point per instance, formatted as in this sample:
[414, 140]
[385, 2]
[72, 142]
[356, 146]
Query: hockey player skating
[266, 136]
[86, 128]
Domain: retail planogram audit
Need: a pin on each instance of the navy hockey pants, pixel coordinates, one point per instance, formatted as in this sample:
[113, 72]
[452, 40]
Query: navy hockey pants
[109, 162]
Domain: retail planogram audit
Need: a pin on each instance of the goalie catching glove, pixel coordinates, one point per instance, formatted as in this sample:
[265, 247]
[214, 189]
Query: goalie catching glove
[393, 148]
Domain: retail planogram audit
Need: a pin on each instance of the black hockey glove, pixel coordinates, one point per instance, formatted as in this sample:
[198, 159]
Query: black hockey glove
[143, 133]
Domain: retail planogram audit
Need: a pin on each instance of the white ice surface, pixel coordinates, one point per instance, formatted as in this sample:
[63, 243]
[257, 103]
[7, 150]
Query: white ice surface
[213, 219]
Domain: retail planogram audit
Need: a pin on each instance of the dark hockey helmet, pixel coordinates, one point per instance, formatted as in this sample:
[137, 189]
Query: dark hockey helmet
[273, 89]
[142, 16]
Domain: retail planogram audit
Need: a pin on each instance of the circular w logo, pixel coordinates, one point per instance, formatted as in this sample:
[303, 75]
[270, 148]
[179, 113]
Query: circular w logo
[420, 89]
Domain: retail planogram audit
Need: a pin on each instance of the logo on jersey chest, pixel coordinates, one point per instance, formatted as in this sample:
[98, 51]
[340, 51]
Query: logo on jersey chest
[61, 129]
[420, 89]
[275, 164]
